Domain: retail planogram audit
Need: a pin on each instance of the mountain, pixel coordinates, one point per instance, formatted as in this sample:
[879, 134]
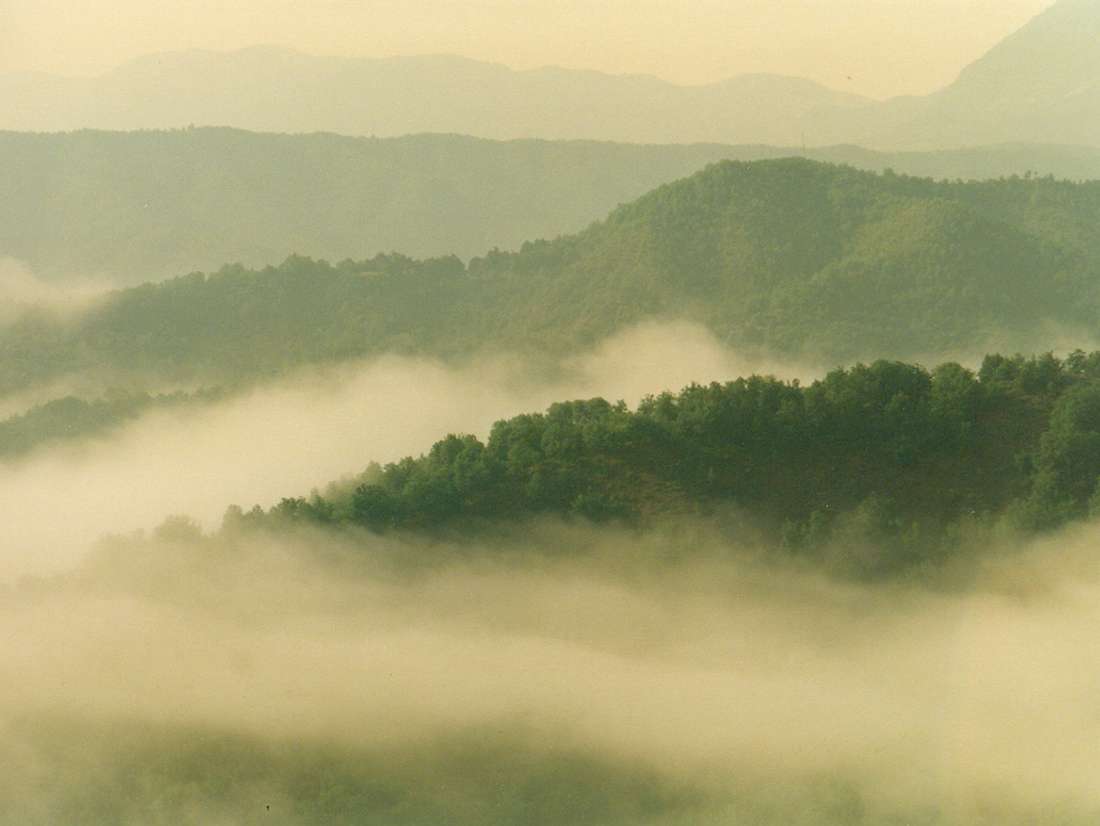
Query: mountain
[1040, 85]
[280, 90]
[134, 207]
[819, 262]
[1052, 60]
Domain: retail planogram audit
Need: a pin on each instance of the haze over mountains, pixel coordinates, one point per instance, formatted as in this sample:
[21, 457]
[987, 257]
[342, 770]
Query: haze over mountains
[135, 207]
[279, 90]
[814, 261]
[1039, 85]
[287, 541]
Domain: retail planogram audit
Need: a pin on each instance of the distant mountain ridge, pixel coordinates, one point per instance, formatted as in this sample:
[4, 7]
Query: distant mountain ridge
[280, 90]
[145, 206]
[1040, 85]
[1055, 57]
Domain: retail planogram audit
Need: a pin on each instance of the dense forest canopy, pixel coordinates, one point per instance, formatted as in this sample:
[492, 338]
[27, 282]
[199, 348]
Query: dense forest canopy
[143, 206]
[73, 418]
[818, 262]
[883, 466]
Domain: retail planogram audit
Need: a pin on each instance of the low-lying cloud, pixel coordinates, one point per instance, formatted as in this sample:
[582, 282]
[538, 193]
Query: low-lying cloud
[22, 291]
[768, 693]
[285, 438]
[555, 674]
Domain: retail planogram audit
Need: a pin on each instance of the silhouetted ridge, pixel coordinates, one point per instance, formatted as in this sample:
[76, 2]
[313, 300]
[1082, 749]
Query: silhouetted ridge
[1038, 86]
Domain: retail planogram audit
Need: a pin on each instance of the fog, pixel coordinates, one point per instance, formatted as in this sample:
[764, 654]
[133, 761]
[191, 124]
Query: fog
[22, 291]
[735, 690]
[861, 613]
[547, 673]
[285, 438]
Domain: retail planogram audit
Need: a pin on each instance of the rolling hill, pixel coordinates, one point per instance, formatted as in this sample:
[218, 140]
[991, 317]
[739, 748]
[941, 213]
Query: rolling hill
[872, 468]
[819, 262]
[134, 207]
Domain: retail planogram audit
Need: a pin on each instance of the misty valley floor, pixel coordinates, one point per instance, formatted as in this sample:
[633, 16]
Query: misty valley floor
[668, 678]
[691, 667]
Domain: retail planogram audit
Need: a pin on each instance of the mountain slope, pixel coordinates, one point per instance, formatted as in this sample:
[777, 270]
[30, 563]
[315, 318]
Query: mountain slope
[817, 260]
[145, 206]
[820, 262]
[888, 455]
[1041, 84]
[1053, 58]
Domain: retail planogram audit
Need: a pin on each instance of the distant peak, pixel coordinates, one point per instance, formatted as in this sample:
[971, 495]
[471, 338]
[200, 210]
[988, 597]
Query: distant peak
[447, 60]
[1056, 52]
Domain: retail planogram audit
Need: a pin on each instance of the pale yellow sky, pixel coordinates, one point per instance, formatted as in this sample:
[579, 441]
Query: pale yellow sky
[885, 47]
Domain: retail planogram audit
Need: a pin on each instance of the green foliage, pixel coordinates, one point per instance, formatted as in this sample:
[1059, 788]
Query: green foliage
[1068, 460]
[145, 205]
[875, 468]
[238, 323]
[149, 205]
[817, 262]
[71, 418]
[823, 262]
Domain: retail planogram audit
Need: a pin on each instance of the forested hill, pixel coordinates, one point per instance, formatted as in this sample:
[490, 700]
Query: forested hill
[879, 467]
[820, 262]
[144, 206]
[817, 260]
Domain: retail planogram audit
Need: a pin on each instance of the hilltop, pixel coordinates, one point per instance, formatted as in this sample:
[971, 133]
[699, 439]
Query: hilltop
[144, 206]
[873, 470]
[813, 261]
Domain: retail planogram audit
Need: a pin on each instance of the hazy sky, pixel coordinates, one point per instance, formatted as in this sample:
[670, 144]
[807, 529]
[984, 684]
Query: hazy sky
[875, 47]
